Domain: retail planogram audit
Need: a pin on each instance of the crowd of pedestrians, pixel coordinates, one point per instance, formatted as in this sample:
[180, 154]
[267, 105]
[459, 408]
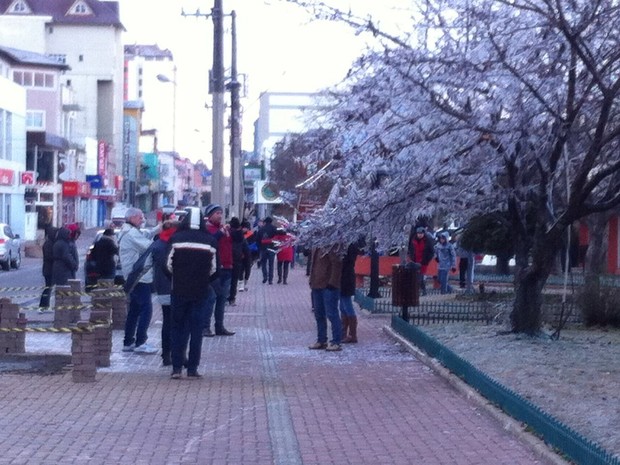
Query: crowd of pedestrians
[197, 264]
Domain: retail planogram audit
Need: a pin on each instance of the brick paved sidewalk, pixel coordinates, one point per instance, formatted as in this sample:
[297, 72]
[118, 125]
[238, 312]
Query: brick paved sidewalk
[265, 399]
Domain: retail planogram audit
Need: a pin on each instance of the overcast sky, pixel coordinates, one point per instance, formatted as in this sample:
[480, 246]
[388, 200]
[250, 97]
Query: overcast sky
[279, 49]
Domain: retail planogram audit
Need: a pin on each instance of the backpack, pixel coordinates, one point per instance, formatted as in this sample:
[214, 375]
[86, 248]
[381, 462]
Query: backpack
[138, 270]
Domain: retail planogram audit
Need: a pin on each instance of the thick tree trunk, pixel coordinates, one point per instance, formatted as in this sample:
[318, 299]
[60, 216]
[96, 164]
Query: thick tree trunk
[596, 256]
[526, 316]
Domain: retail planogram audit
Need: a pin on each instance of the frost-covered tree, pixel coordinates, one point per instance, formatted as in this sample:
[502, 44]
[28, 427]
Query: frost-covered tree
[486, 105]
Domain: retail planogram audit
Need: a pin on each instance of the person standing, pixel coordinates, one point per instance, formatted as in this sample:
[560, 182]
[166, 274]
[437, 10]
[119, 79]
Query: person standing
[48, 263]
[248, 260]
[347, 291]
[240, 252]
[161, 280]
[267, 252]
[325, 277]
[104, 253]
[466, 266]
[220, 281]
[191, 262]
[446, 259]
[65, 255]
[132, 244]
[421, 250]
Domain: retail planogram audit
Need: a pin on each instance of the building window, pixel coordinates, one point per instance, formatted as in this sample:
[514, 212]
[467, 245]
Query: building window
[81, 58]
[20, 7]
[34, 79]
[35, 120]
[6, 135]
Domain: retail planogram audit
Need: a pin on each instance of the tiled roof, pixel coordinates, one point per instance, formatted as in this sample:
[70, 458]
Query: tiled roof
[25, 57]
[104, 13]
[147, 51]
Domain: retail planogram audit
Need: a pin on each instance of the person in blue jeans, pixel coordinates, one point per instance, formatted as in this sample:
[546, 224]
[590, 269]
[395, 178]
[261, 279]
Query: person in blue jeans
[446, 259]
[219, 290]
[325, 277]
[190, 261]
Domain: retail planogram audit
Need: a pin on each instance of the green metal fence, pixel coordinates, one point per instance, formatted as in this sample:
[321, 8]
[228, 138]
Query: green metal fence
[552, 431]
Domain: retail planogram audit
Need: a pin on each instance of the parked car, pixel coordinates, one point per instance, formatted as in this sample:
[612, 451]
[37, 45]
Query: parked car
[10, 248]
[91, 276]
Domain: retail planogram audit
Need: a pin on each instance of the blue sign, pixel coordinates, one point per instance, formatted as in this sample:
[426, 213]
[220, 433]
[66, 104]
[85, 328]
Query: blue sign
[95, 180]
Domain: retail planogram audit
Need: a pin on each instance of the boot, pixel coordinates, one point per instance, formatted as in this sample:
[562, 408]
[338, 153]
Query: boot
[345, 327]
[352, 337]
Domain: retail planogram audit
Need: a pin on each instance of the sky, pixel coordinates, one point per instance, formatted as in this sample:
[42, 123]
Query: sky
[279, 49]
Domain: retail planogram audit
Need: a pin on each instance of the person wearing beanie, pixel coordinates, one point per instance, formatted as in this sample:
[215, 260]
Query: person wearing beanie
[220, 282]
[421, 250]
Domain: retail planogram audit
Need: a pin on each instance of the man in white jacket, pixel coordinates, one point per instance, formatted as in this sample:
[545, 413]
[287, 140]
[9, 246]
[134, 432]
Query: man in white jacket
[132, 244]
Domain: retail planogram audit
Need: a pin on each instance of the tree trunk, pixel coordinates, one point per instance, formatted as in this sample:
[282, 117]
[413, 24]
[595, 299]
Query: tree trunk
[502, 266]
[596, 255]
[526, 316]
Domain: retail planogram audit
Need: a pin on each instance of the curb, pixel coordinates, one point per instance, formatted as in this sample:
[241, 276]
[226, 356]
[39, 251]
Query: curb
[508, 423]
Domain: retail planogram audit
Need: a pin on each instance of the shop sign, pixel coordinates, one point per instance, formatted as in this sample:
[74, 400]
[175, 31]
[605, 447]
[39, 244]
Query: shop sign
[28, 178]
[95, 181]
[70, 189]
[6, 177]
[84, 189]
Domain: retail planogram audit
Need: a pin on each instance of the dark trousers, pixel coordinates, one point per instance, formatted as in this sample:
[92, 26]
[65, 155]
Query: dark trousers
[237, 273]
[283, 271]
[186, 327]
[267, 259]
[47, 292]
[166, 335]
[463, 263]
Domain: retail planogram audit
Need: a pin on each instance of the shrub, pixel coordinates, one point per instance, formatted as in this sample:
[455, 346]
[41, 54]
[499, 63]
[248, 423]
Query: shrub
[599, 305]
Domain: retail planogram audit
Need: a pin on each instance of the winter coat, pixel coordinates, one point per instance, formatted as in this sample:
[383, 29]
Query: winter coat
[66, 260]
[265, 235]
[445, 254]
[161, 275]
[421, 250]
[104, 251]
[224, 246]
[347, 281]
[191, 261]
[285, 249]
[326, 270]
[48, 251]
[240, 249]
[132, 243]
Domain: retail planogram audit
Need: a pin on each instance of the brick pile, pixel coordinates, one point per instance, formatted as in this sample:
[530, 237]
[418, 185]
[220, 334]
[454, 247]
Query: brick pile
[68, 304]
[83, 354]
[12, 342]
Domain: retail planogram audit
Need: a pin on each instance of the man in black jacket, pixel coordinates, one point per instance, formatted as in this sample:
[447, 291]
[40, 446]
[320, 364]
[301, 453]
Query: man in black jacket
[267, 252]
[191, 261]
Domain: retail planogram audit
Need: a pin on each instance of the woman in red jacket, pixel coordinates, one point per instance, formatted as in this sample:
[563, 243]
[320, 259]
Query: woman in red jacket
[284, 243]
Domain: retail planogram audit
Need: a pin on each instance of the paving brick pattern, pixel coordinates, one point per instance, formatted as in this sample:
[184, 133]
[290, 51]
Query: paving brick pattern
[265, 399]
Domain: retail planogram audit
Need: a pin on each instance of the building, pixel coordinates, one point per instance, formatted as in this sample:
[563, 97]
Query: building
[59, 29]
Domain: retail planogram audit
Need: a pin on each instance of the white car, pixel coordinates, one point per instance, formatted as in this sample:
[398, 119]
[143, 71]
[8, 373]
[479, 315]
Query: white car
[10, 248]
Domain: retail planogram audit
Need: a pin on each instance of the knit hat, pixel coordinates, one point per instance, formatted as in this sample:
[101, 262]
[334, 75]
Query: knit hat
[420, 229]
[211, 209]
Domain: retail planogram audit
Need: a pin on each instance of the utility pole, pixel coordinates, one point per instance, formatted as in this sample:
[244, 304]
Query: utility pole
[217, 90]
[236, 164]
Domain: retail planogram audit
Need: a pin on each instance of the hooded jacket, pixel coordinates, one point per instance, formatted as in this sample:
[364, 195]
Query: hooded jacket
[65, 258]
[132, 243]
[444, 251]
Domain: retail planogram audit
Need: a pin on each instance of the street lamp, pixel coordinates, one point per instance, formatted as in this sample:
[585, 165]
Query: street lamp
[164, 78]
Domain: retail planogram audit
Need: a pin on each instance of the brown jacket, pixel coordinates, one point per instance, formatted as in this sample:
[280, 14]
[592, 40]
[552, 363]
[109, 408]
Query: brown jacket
[326, 269]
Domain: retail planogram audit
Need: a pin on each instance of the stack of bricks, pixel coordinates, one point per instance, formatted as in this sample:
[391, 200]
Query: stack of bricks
[68, 307]
[101, 319]
[12, 341]
[118, 302]
[83, 355]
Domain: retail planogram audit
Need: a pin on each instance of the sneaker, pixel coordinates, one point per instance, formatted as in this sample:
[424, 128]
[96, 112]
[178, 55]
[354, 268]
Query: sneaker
[318, 346]
[145, 349]
[240, 288]
[232, 303]
[175, 375]
[129, 348]
[193, 375]
[224, 332]
[333, 347]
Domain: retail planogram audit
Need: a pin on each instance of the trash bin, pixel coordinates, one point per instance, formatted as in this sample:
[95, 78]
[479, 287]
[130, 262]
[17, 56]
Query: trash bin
[405, 287]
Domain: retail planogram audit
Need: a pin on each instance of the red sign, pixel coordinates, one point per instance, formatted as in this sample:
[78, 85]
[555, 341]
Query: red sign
[28, 178]
[70, 189]
[102, 159]
[84, 189]
[6, 177]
